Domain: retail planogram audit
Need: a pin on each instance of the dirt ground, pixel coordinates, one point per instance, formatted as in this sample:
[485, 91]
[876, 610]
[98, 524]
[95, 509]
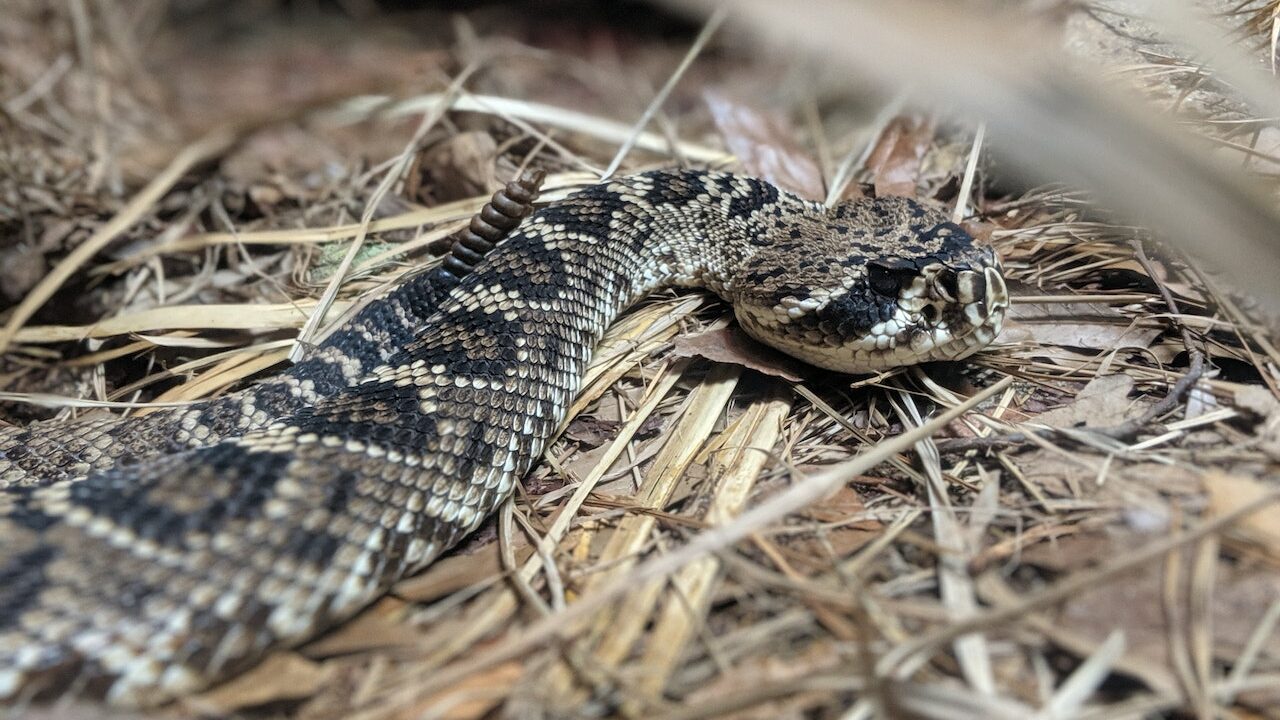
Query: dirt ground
[184, 184]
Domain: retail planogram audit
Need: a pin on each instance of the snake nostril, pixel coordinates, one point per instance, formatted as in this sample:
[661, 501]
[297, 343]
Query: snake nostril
[930, 314]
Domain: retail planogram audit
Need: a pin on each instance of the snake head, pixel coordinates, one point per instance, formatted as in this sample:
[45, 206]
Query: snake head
[872, 285]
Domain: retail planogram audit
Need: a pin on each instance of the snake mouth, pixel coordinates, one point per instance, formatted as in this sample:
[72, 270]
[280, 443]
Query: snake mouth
[939, 313]
[969, 308]
[943, 314]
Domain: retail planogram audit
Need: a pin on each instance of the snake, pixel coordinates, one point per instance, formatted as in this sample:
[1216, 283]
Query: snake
[149, 558]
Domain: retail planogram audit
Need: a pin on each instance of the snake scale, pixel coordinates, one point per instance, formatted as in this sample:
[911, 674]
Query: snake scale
[148, 558]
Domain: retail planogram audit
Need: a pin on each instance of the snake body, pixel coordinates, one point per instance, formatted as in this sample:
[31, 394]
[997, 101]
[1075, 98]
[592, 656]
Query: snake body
[138, 570]
[40, 454]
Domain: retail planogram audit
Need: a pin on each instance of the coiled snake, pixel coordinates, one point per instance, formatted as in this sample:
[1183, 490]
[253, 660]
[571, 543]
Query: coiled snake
[145, 559]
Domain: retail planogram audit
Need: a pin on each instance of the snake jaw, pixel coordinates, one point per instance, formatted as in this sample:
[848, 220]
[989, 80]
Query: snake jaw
[984, 299]
[942, 312]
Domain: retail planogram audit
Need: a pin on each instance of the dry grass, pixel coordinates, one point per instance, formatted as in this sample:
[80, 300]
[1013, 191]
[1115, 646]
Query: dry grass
[1083, 529]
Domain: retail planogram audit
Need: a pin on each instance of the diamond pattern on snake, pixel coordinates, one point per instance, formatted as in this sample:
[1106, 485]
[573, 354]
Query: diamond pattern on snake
[145, 559]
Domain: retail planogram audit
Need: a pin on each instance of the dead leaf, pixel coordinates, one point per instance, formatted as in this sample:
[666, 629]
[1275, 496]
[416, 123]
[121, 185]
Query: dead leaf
[765, 146]
[1135, 605]
[815, 553]
[1168, 480]
[1070, 553]
[731, 345]
[1101, 403]
[282, 676]
[455, 572]
[21, 267]
[752, 671]
[1257, 399]
[896, 159]
[1089, 336]
[285, 151]
[470, 698]
[67, 708]
[1260, 530]
[841, 505]
[1090, 326]
[1242, 597]
[980, 230]
[1051, 472]
[461, 166]
[380, 625]
[591, 431]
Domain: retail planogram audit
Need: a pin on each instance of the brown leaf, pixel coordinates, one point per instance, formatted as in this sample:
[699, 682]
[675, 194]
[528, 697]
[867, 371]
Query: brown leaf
[841, 505]
[753, 671]
[1103, 402]
[731, 345]
[1261, 530]
[1073, 552]
[282, 676]
[21, 267]
[1242, 596]
[461, 166]
[816, 553]
[765, 146]
[898, 153]
[285, 151]
[1257, 399]
[455, 572]
[380, 625]
[979, 230]
[1089, 336]
[67, 708]
[1054, 474]
[1075, 325]
[470, 698]
[592, 431]
[1135, 604]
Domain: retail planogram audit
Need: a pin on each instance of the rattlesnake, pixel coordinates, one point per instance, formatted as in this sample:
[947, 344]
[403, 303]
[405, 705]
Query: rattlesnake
[145, 559]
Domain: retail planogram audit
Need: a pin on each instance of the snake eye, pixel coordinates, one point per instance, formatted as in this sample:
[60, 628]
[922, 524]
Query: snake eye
[886, 279]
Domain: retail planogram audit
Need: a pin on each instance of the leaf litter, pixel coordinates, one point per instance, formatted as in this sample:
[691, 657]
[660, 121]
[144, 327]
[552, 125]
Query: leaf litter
[197, 285]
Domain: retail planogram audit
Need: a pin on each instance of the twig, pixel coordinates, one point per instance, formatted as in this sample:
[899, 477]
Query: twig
[970, 170]
[1128, 429]
[860, 151]
[313, 326]
[891, 664]
[709, 29]
[800, 495]
[211, 145]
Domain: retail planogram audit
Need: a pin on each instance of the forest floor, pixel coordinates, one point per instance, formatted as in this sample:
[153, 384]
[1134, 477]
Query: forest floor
[183, 185]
